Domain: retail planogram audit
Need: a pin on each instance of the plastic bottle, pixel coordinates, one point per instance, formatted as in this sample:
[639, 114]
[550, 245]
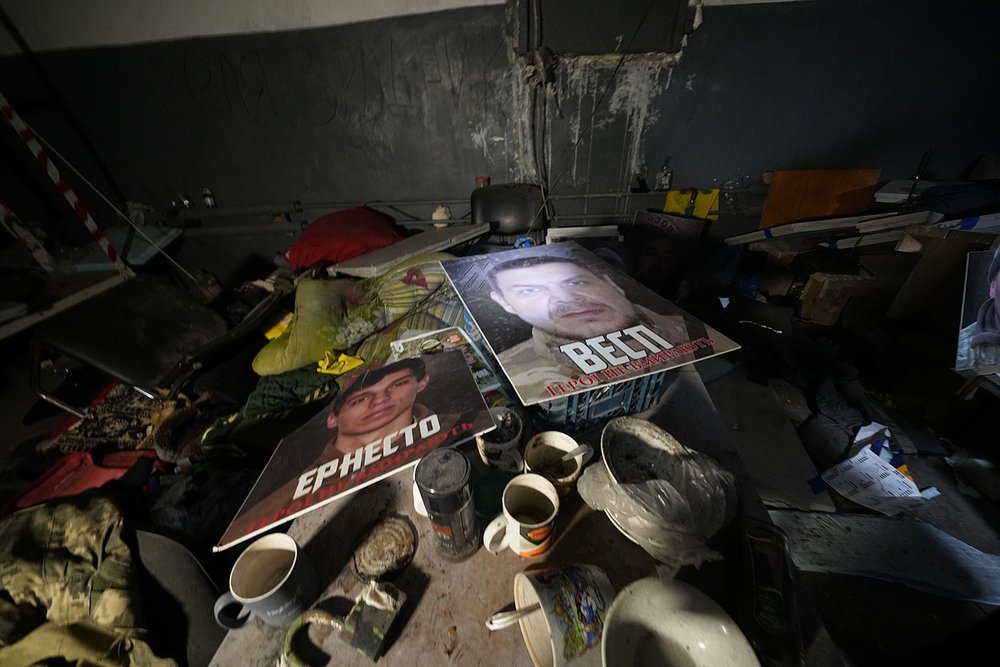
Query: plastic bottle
[665, 176]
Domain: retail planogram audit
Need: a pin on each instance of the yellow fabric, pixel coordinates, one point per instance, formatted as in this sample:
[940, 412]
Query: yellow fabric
[280, 327]
[706, 204]
[319, 311]
[338, 365]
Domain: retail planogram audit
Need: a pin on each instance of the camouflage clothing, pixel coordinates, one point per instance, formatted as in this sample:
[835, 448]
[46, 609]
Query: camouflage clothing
[979, 343]
[66, 563]
[537, 362]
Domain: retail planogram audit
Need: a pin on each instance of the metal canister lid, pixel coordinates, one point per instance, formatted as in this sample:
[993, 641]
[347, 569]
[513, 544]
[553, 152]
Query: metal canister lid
[443, 479]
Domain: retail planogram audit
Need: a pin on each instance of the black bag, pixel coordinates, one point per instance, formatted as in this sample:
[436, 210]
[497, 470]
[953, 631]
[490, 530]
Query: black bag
[960, 200]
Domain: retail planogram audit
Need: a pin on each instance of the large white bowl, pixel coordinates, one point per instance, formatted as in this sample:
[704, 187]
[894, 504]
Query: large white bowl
[690, 493]
[653, 624]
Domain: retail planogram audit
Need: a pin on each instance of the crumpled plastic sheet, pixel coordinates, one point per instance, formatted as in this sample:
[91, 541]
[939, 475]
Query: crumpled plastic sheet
[671, 519]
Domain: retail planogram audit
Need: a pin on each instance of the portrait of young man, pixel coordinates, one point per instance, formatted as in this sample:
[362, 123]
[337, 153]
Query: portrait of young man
[385, 417]
[581, 320]
[377, 403]
[979, 340]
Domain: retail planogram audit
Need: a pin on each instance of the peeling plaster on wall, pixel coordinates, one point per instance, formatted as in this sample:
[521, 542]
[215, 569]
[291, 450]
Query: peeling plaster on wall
[552, 109]
[590, 150]
[506, 153]
[634, 94]
[575, 122]
[522, 167]
[488, 144]
[632, 99]
[479, 140]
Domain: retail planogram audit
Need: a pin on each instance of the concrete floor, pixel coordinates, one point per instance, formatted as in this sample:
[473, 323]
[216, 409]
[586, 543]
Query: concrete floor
[874, 622]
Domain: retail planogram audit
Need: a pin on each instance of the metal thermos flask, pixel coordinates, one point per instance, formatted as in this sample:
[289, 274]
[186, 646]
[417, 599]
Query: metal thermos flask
[443, 481]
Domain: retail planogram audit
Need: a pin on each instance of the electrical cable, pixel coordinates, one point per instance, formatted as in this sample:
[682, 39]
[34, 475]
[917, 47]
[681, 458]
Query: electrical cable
[583, 131]
[536, 24]
[539, 110]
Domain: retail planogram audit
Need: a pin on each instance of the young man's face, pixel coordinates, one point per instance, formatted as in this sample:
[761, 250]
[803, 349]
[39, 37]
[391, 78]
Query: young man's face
[564, 299]
[378, 405]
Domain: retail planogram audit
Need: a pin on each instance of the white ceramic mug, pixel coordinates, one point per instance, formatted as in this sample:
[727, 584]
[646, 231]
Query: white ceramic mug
[418, 501]
[530, 505]
[544, 456]
[274, 579]
[561, 611]
[503, 454]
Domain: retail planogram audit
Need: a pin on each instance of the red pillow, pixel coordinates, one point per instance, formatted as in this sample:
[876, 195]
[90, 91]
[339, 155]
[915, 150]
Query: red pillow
[341, 235]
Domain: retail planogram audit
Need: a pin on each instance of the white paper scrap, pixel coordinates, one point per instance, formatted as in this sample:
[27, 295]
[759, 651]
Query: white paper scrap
[868, 430]
[869, 480]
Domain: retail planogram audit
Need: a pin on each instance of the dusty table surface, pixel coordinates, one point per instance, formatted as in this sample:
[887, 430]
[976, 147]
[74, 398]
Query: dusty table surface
[443, 620]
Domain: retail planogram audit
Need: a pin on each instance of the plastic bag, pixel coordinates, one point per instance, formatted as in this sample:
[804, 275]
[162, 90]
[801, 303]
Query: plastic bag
[684, 500]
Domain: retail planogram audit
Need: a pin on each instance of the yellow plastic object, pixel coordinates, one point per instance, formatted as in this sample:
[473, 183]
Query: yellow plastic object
[280, 327]
[338, 365]
[706, 203]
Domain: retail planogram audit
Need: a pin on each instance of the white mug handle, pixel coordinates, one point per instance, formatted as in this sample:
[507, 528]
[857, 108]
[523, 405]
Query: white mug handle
[418, 501]
[497, 525]
[505, 619]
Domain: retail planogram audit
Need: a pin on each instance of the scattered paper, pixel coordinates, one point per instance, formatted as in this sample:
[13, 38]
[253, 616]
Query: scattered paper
[869, 430]
[869, 480]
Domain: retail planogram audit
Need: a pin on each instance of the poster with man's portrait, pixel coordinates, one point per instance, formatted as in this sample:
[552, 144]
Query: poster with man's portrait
[978, 347]
[562, 321]
[384, 419]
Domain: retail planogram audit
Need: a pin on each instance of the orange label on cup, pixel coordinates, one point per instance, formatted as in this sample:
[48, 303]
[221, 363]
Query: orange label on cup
[535, 552]
[540, 534]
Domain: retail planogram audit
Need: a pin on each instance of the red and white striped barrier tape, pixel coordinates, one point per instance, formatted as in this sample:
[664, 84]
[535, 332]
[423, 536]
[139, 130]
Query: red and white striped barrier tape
[28, 136]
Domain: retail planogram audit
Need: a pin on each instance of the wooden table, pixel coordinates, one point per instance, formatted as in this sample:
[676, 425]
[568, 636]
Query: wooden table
[447, 603]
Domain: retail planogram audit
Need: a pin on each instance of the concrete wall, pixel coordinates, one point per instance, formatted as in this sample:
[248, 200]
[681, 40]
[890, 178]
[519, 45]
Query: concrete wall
[402, 103]
[49, 25]
[413, 106]
[846, 83]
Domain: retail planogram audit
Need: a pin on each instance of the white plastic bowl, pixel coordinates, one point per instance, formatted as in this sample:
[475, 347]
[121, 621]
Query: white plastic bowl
[653, 624]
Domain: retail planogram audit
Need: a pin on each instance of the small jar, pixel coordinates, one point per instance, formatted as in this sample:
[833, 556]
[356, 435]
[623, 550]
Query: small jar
[443, 481]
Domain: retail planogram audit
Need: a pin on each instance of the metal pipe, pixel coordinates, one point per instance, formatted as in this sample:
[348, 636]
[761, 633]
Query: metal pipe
[298, 207]
[284, 228]
[590, 216]
[611, 195]
[229, 230]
